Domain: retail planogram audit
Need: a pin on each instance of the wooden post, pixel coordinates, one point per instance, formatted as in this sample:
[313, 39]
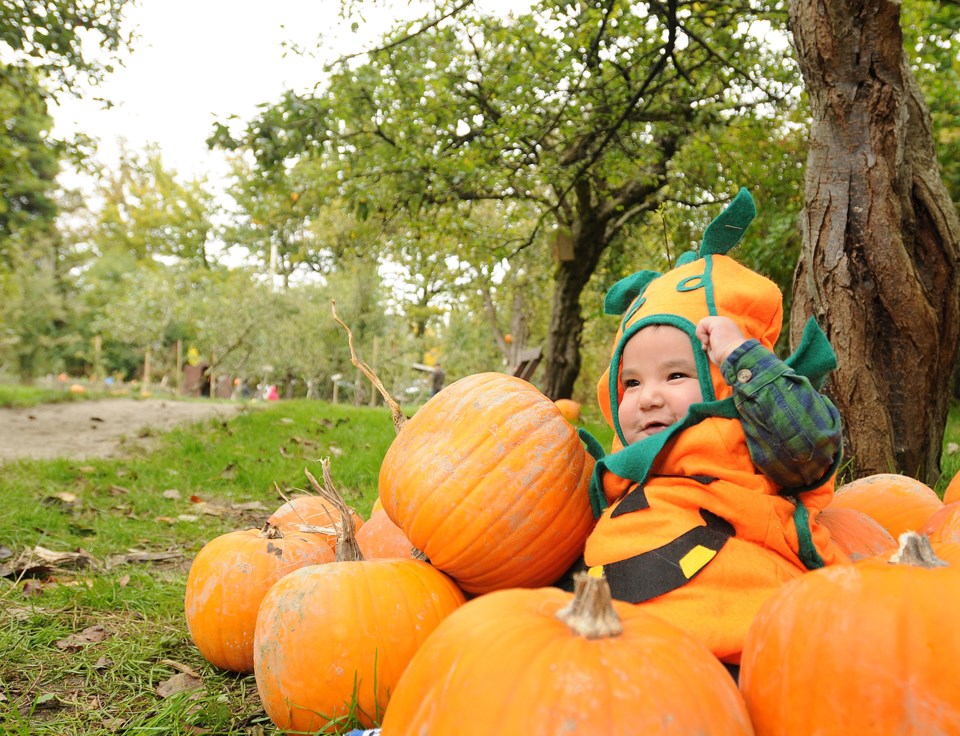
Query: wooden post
[179, 373]
[146, 371]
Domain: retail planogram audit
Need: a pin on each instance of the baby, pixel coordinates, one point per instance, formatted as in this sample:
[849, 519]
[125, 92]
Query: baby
[724, 454]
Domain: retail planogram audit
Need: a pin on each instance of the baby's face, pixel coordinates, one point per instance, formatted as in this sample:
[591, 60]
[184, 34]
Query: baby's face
[659, 378]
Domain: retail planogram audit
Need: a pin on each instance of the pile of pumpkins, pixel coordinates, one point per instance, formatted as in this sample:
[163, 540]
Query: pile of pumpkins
[437, 615]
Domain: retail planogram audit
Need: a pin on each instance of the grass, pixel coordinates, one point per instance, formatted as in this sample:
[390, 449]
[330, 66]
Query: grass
[138, 522]
[224, 475]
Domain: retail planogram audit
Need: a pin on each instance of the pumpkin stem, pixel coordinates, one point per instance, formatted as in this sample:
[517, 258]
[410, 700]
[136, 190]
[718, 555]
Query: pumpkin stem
[270, 531]
[397, 413]
[590, 614]
[915, 549]
[347, 547]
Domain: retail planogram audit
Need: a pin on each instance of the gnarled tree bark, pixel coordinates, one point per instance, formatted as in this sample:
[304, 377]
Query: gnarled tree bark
[879, 266]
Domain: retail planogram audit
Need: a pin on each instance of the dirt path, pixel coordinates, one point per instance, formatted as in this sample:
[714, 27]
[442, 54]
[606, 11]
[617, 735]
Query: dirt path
[103, 428]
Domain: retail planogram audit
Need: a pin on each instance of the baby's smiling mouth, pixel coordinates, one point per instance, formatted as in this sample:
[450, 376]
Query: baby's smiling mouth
[654, 427]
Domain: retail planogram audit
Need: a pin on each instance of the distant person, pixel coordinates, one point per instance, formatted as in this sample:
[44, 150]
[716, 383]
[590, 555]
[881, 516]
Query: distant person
[436, 380]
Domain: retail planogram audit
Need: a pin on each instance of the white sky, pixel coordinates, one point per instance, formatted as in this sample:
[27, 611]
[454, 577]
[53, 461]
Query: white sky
[198, 61]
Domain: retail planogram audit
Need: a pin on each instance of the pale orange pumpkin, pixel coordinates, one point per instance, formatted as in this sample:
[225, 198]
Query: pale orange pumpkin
[943, 524]
[332, 640]
[330, 634]
[858, 649]
[570, 409]
[380, 538]
[952, 492]
[227, 580]
[491, 483]
[312, 511]
[856, 534]
[898, 503]
[545, 662]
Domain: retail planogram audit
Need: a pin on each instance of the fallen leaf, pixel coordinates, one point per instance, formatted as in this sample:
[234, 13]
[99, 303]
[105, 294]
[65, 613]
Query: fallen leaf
[229, 472]
[116, 490]
[87, 469]
[180, 682]
[188, 517]
[90, 635]
[32, 588]
[180, 666]
[952, 448]
[171, 493]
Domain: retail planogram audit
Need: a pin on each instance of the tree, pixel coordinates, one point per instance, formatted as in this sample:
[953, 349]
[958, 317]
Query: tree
[879, 266]
[571, 116]
[148, 213]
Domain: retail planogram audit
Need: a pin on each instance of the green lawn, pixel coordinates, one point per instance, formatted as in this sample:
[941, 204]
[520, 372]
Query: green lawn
[132, 526]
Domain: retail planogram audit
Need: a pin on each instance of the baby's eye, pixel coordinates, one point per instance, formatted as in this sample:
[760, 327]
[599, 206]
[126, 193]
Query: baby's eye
[677, 375]
[631, 383]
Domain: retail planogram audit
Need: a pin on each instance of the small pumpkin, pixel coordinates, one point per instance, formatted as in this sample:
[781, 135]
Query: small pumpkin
[332, 640]
[379, 538]
[491, 483]
[858, 649]
[545, 662]
[856, 534]
[315, 512]
[898, 502]
[952, 492]
[570, 409]
[230, 576]
[943, 524]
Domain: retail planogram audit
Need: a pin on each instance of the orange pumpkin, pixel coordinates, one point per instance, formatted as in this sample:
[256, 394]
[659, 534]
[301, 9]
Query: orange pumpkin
[952, 492]
[328, 635]
[943, 524]
[858, 649]
[856, 534]
[313, 511]
[547, 662]
[570, 409]
[380, 538]
[491, 483]
[899, 503]
[230, 576]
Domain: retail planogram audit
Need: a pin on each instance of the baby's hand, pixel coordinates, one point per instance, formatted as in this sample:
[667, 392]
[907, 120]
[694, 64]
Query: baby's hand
[720, 336]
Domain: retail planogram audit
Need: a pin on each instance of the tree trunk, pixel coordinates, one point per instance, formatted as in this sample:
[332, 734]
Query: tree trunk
[879, 266]
[590, 239]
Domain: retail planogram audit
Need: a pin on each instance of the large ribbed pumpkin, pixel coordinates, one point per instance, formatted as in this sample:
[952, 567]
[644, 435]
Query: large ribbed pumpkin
[898, 502]
[230, 576]
[858, 649]
[491, 483]
[544, 662]
[855, 533]
[333, 639]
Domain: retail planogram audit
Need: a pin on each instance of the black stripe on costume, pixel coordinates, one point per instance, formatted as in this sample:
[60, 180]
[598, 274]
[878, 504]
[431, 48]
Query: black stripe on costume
[658, 571]
[636, 500]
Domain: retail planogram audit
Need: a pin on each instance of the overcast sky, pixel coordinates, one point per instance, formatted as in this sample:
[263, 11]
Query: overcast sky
[200, 61]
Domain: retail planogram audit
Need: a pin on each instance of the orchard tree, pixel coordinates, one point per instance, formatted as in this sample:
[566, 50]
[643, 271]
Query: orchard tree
[573, 115]
[879, 266]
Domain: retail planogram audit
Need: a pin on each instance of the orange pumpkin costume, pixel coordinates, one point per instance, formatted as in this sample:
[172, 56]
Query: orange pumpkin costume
[688, 525]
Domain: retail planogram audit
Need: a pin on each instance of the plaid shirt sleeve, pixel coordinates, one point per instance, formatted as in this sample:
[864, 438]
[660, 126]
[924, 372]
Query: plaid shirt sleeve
[793, 432]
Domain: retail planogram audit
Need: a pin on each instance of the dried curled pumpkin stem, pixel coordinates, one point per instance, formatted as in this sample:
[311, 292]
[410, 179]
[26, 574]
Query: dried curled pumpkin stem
[347, 548]
[590, 614]
[397, 413]
[915, 549]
